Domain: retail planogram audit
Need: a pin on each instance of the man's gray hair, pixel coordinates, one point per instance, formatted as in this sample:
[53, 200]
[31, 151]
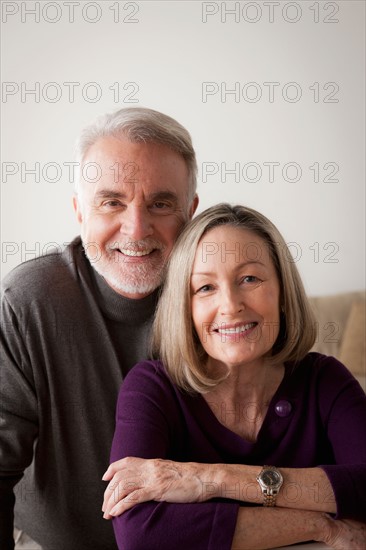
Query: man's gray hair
[138, 124]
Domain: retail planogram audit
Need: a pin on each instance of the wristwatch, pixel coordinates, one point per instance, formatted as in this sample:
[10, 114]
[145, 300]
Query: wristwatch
[270, 480]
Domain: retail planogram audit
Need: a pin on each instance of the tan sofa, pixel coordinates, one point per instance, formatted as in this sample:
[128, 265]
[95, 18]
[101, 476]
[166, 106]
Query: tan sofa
[342, 330]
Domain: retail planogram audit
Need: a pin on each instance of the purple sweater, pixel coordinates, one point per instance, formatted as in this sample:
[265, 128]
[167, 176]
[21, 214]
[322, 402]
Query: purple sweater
[325, 427]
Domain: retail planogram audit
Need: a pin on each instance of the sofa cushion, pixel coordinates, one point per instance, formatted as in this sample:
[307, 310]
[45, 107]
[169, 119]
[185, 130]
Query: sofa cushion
[332, 314]
[341, 330]
[353, 346]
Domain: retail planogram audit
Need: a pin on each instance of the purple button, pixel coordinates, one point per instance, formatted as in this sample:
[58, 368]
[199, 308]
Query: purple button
[283, 408]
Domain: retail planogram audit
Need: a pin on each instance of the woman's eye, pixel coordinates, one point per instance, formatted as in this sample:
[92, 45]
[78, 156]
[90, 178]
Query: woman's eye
[204, 288]
[251, 279]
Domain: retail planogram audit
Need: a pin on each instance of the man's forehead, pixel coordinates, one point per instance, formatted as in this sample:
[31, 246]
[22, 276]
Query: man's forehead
[119, 169]
[106, 183]
[117, 147]
[120, 161]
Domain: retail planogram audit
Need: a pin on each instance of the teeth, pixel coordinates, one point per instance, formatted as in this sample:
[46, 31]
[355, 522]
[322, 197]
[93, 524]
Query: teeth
[135, 253]
[236, 330]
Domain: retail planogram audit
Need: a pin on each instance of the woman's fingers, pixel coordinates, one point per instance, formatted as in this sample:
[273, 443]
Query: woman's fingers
[134, 480]
[122, 486]
[113, 468]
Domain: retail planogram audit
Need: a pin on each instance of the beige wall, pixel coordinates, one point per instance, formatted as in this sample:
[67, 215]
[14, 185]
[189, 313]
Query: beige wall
[292, 128]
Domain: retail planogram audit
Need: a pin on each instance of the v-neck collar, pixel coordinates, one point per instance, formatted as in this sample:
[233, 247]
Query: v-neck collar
[273, 427]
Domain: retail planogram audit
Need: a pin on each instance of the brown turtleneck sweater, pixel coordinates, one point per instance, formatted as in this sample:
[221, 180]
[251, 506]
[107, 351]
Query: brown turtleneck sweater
[67, 341]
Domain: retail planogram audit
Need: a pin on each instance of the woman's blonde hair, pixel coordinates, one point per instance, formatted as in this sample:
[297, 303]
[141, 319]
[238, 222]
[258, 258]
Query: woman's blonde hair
[175, 340]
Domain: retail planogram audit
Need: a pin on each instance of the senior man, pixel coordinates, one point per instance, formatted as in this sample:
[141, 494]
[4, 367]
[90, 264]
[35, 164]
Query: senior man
[75, 322]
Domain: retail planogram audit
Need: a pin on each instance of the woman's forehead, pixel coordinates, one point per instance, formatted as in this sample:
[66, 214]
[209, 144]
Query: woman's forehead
[235, 243]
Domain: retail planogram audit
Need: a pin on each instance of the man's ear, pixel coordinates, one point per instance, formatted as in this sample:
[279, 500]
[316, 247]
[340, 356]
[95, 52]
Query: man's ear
[194, 205]
[77, 208]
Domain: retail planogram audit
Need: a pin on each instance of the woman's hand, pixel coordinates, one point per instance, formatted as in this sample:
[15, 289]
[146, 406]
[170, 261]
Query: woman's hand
[345, 534]
[135, 480]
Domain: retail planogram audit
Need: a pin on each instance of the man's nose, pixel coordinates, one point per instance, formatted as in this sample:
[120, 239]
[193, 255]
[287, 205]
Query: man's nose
[136, 223]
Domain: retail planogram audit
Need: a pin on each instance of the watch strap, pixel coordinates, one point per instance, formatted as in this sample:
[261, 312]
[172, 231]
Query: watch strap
[269, 499]
[270, 493]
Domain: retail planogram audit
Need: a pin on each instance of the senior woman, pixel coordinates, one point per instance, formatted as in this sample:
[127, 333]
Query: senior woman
[263, 443]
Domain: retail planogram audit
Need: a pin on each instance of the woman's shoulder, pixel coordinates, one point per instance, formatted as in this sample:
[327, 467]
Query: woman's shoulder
[147, 393]
[319, 365]
[324, 373]
[148, 368]
[148, 376]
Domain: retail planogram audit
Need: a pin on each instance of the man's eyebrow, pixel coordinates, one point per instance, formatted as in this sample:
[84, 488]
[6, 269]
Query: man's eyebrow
[240, 266]
[159, 195]
[163, 195]
[110, 194]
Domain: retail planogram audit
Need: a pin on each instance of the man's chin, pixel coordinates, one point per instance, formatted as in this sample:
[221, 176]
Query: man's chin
[133, 291]
[132, 282]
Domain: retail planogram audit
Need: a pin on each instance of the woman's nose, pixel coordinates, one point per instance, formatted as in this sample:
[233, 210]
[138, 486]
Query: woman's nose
[231, 302]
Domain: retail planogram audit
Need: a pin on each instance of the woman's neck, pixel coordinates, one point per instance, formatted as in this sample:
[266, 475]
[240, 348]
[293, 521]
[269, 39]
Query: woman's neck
[241, 401]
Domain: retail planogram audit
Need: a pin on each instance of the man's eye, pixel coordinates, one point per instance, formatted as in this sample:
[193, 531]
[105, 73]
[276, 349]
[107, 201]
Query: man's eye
[112, 204]
[161, 205]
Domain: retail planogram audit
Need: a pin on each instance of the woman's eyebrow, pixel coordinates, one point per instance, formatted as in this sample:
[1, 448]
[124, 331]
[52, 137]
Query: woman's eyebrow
[240, 266]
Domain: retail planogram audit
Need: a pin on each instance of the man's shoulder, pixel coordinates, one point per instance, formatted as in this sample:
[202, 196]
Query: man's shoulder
[44, 274]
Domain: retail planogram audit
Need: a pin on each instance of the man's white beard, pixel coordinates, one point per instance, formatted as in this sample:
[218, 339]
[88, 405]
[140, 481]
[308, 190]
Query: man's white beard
[127, 277]
[141, 279]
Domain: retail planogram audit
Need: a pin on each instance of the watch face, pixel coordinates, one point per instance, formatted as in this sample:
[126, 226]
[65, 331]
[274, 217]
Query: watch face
[270, 477]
